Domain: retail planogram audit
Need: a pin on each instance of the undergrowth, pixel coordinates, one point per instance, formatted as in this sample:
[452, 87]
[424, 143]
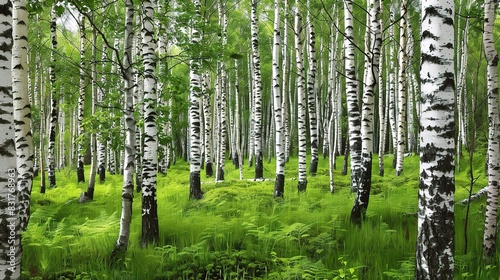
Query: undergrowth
[238, 231]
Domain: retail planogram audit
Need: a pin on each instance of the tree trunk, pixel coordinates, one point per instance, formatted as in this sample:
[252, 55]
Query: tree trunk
[301, 96]
[436, 229]
[382, 116]
[89, 194]
[352, 98]
[371, 74]
[279, 185]
[311, 94]
[150, 232]
[81, 102]
[403, 61]
[22, 111]
[257, 89]
[101, 141]
[490, 223]
[392, 88]
[284, 101]
[194, 110]
[129, 145]
[237, 128]
[53, 102]
[207, 109]
[10, 239]
[139, 108]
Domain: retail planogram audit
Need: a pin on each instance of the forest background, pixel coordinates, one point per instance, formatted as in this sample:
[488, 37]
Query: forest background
[86, 127]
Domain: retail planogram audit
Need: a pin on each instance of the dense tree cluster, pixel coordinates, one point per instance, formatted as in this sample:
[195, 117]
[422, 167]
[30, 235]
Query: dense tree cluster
[132, 87]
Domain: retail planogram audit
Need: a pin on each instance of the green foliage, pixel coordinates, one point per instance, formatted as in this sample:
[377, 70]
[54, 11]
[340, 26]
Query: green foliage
[238, 231]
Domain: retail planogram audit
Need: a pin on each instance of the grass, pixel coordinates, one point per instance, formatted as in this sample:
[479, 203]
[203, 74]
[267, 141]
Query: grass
[238, 231]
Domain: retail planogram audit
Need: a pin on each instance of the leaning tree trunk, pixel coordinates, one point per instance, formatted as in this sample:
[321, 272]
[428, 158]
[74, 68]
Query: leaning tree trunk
[490, 223]
[311, 93]
[129, 145]
[436, 227]
[53, 102]
[150, 233]
[371, 74]
[353, 113]
[10, 239]
[301, 97]
[403, 59]
[257, 89]
[279, 185]
[194, 110]
[22, 110]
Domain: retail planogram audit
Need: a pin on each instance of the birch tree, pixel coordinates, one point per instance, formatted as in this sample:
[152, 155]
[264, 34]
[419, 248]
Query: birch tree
[382, 106]
[352, 97]
[402, 96]
[22, 110]
[491, 215]
[392, 86]
[129, 145]
[194, 109]
[81, 101]
[435, 238]
[311, 93]
[222, 94]
[53, 100]
[279, 185]
[207, 113]
[10, 247]
[371, 75]
[257, 92]
[301, 101]
[150, 232]
[89, 194]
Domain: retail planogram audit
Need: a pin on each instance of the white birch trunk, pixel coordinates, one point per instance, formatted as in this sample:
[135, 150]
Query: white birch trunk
[311, 93]
[129, 145]
[371, 75]
[257, 92]
[22, 110]
[491, 215]
[403, 61]
[10, 246]
[279, 185]
[207, 112]
[354, 117]
[150, 232]
[53, 102]
[436, 229]
[301, 96]
[194, 110]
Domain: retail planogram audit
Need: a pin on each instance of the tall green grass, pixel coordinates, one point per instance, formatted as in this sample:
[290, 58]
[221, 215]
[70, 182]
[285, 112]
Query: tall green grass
[238, 231]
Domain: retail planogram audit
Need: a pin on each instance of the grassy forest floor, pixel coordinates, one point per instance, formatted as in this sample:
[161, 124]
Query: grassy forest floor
[238, 231]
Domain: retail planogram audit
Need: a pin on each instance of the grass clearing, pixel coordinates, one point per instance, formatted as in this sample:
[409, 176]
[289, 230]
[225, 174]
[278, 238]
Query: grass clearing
[238, 231]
